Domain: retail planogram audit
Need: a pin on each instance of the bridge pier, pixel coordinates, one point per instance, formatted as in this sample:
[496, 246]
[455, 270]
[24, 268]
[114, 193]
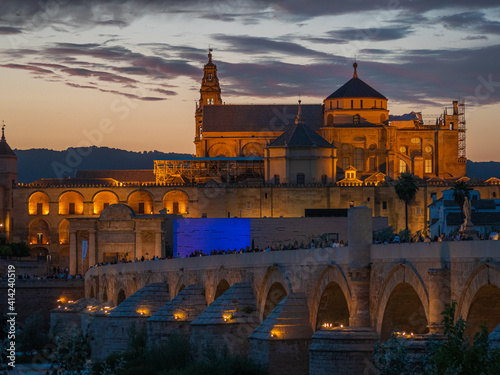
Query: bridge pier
[228, 321]
[281, 343]
[177, 314]
[111, 333]
[439, 295]
[341, 351]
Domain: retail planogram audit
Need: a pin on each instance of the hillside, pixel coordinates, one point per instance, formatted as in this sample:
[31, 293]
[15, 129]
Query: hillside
[34, 164]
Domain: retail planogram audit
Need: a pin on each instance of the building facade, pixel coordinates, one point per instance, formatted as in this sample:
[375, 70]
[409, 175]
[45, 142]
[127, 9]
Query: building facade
[253, 161]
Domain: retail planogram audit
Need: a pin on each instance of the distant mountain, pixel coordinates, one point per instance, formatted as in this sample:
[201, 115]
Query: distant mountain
[483, 169]
[37, 163]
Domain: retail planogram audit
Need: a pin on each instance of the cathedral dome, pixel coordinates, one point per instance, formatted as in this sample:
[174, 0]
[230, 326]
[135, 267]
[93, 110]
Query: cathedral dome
[356, 88]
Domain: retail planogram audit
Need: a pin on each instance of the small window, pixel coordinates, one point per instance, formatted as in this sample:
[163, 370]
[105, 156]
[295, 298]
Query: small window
[210, 101]
[301, 178]
[204, 215]
[249, 205]
[338, 104]
[494, 194]
[402, 166]
[384, 205]
[209, 76]
[368, 199]
[402, 149]
[352, 103]
[71, 209]
[428, 165]
[428, 149]
[265, 195]
[418, 210]
[277, 179]
[141, 208]
[331, 105]
[104, 205]
[451, 126]
[361, 103]
[351, 204]
[356, 119]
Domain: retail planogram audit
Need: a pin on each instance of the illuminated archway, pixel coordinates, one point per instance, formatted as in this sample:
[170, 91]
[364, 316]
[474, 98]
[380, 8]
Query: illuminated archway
[176, 202]
[141, 202]
[39, 232]
[102, 200]
[64, 232]
[38, 204]
[71, 203]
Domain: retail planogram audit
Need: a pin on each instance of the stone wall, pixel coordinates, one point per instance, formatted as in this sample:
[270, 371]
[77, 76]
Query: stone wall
[42, 295]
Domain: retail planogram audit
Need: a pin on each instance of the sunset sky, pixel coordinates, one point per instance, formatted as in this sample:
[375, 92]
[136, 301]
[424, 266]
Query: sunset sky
[68, 67]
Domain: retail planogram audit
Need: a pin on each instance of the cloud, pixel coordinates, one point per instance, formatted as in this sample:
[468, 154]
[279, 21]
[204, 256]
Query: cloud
[30, 68]
[375, 34]
[471, 21]
[6, 30]
[258, 45]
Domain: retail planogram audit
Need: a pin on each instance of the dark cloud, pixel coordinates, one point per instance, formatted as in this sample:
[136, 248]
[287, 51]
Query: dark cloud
[323, 40]
[374, 34]
[128, 95]
[259, 45]
[471, 21]
[31, 68]
[6, 30]
[420, 77]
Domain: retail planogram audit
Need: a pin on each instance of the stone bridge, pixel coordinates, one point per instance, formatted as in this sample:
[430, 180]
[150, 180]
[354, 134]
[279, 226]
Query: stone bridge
[314, 311]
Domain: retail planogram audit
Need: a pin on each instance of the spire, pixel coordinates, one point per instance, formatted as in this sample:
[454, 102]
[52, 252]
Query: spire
[355, 65]
[209, 55]
[299, 119]
[3, 131]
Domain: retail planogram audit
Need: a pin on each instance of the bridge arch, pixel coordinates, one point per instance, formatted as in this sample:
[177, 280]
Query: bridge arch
[331, 289]
[480, 300]
[403, 302]
[120, 297]
[274, 287]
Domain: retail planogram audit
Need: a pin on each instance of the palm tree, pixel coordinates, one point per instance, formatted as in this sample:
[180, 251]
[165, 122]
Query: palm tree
[406, 189]
[461, 191]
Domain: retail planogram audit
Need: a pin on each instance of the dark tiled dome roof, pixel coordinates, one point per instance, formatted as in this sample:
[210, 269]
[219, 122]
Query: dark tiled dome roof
[356, 88]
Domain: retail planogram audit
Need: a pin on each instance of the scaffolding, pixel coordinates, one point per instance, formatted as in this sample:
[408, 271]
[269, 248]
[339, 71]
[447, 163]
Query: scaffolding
[461, 129]
[199, 170]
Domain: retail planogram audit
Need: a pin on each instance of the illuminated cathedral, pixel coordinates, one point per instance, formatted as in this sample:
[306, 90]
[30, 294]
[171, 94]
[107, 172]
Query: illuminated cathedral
[252, 161]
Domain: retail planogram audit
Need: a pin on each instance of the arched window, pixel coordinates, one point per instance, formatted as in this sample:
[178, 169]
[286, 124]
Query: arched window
[403, 168]
[329, 119]
[356, 119]
[359, 159]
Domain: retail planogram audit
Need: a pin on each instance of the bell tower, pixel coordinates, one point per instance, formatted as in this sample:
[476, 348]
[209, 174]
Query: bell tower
[210, 94]
[8, 181]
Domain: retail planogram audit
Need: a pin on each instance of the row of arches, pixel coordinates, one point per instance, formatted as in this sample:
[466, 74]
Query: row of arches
[141, 201]
[403, 303]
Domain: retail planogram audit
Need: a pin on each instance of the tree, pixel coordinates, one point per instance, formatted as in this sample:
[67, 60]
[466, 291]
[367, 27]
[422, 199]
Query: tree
[406, 189]
[461, 191]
